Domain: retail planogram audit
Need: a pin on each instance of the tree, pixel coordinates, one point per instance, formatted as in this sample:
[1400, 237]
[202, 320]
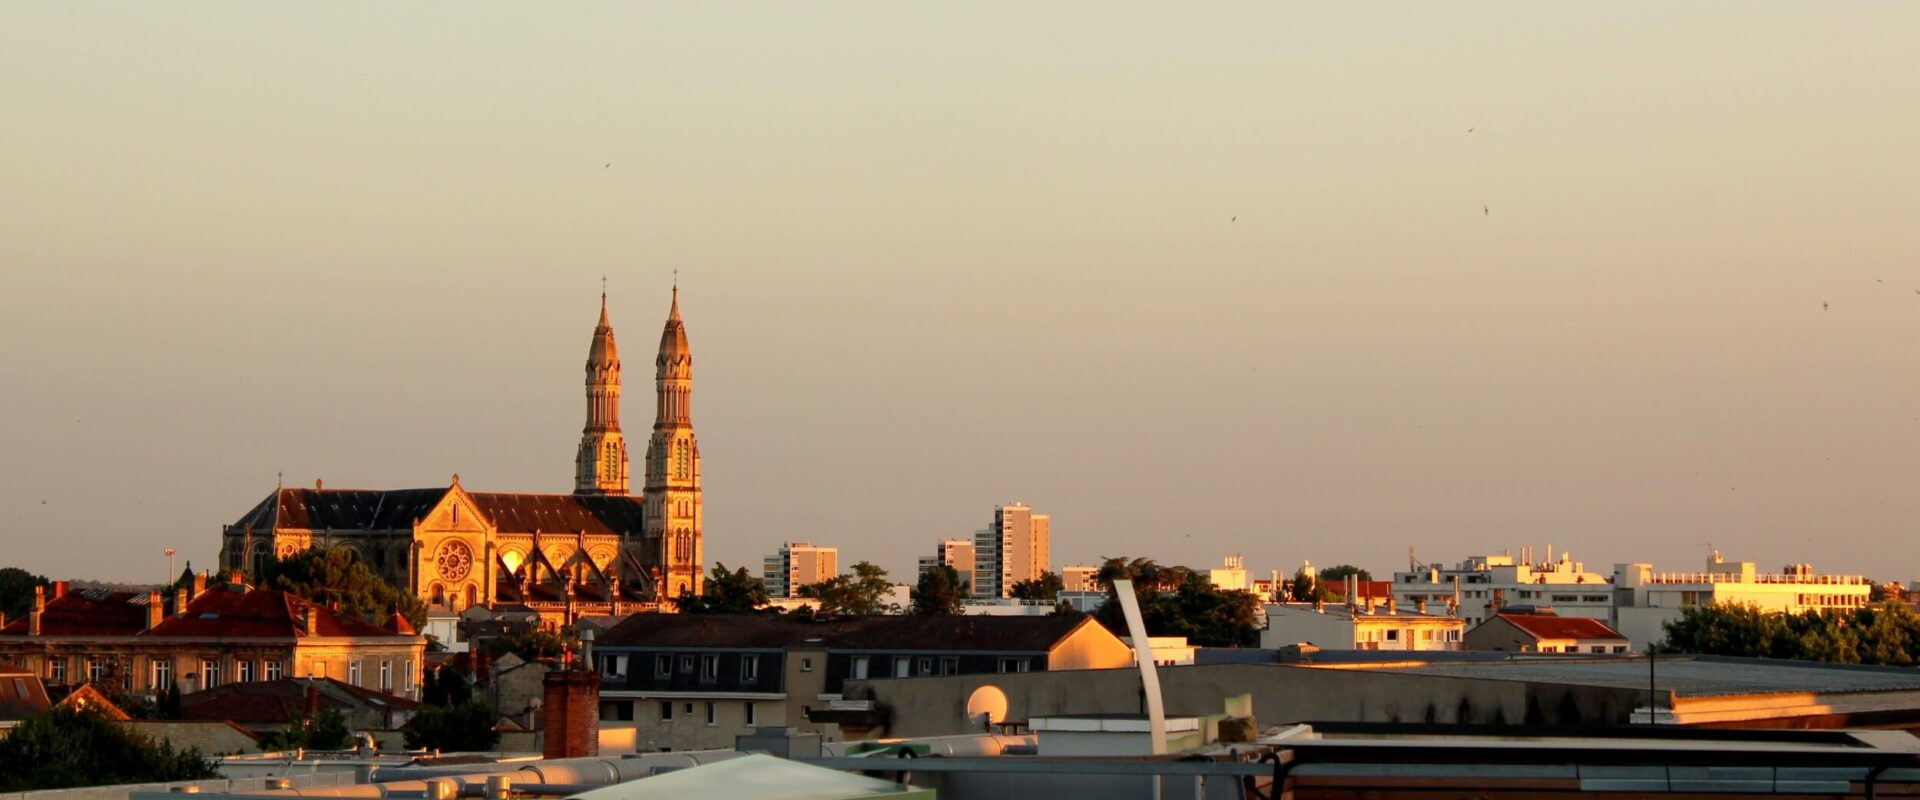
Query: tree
[16, 591]
[1306, 587]
[1339, 573]
[1193, 607]
[1885, 633]
[939, 592]
[64, 748]
[445, 686]
[726, 592]
[335, 575]
[532, 645]
[861, 593]
[465, 728]
[324, 730]
[1046, 587]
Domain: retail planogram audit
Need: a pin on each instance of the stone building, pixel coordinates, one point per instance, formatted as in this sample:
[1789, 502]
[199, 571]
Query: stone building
[597, 551]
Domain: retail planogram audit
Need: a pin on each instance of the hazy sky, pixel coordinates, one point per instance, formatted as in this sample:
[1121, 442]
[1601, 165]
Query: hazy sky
[1501, 274]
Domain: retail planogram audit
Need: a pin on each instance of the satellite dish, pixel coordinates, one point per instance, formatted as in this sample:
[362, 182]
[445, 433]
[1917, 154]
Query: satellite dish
[988, 701]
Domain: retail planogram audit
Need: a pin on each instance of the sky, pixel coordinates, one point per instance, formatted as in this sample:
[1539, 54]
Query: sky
[1299, 282]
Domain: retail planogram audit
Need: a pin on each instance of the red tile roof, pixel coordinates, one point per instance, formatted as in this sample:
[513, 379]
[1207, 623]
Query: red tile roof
[283, 700]
[87, 612]
[228, 611]
[1542, 626]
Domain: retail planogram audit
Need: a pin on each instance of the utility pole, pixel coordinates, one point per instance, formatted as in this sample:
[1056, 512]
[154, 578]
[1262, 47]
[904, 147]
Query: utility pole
[1653, 690]
[169, 580]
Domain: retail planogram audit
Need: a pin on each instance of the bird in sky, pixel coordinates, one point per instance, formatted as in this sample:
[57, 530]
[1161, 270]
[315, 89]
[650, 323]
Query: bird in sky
[1485, 211]
[1823, 306]
[1235, 219]
[608, 166]
[1469, 129]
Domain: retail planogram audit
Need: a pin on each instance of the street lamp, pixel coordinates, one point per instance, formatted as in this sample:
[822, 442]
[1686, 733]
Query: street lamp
[169, 579]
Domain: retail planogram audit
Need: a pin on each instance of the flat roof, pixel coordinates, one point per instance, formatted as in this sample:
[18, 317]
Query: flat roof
[1686, 676]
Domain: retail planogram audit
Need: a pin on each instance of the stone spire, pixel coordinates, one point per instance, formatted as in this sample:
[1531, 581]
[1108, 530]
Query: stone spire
[673, 512]
[601, 465]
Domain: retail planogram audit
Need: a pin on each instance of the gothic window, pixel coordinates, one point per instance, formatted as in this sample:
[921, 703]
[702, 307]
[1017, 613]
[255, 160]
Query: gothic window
[682, 459]
[610, 463]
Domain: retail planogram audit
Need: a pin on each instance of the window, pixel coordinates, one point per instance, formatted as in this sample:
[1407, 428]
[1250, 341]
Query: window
[689, 708]
[1453, 635]
[209, 674]
[950, 665]
[1013, 665]
[243, 671]
[272, 670]
[753, 713]
[749, 668]
[96, 669]
[902, 666]
[806, 665]
[709, 669]
[666, 710]
[57, 670]
[386, 675]
[859, 667]
[160, 672]
[662, 666]
[406, 677]
[1619, 648]
[686, 663]
[1393, 635]
[353, 672]
[1597, 649]
[926, 666]
[710, 715]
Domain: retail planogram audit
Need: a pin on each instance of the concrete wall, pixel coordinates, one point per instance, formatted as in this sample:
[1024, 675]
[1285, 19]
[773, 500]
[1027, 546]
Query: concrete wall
[213, 738]
[936, 706]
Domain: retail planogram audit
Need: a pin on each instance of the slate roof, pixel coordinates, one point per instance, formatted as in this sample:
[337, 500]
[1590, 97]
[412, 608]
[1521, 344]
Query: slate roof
[283, 700]
[1542, 626]
[21, 695]
[944, 634]
[87, 612]
[349, 510]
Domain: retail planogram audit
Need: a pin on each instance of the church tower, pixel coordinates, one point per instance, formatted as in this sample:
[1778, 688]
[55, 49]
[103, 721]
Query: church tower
[601, 465]
[672, 498]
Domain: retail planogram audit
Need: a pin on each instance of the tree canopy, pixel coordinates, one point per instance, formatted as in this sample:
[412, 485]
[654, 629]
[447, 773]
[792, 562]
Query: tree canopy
[464, 728]
[735, 592]
[323, 730]
[939, 592]
[1886, 633]
[1178, 601]
[1340, 572]
[333, 575]
[16, 591]
[532, 645]
[863, 592]
[1046, 587]
[64, 748]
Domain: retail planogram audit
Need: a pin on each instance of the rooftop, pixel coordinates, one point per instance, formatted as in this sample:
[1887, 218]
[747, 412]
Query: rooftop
[887, 632]
[1685, 676]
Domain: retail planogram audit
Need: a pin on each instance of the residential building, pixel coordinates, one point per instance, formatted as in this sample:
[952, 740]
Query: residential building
[1168, 651]
[1482, 585]
[1542, 632]
[799, 564]
[264, 706]
[22, 695]
[206, 637]
[956, 553]
[597, 551]
[697, 681]
[1231, 577]
[1013, 549]
[1645, 600]
[1079, 578]
[1369, 626]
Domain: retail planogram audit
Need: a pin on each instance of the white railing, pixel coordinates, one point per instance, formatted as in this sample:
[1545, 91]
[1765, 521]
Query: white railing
[1763, 577]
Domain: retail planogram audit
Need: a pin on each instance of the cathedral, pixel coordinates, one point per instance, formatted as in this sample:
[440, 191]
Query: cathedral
[600, 550]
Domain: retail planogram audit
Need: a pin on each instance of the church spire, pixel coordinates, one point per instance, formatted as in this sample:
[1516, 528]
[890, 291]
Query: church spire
[600, 467]
[673, 510]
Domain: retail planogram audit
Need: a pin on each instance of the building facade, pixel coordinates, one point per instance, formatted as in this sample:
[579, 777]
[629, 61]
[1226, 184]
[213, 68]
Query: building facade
[799, 564]
[1364, 627]
[1546, 633]
[1482, 585]
[1014, 548]
[204, 638]
[597, 551]
[1644, 600]
[1079, 578]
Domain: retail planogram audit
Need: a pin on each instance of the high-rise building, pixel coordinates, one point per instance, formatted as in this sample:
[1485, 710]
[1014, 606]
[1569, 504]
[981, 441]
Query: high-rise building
[1013, 549]
[672, 492]
[1079, 578]
[799, 564]
[955, 553]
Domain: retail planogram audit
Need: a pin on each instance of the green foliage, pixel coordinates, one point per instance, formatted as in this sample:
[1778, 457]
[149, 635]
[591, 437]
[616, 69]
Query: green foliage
[1046, 587]
[325, 730]
[445, 686]
[1193, 607]
[464, 728]
[333, 575]
[1307, 587]
[532, 645]
[1886, 633]
[938, 592]
[864, 592]
[1339, 572]
[64, 748]
[16, 591]
[168, 706]
[726, 592]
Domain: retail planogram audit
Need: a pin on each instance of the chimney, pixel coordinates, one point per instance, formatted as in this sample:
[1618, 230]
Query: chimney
[180, 600]
[59, 589]
[199, 583]
[39, 606]
[571, 707]
[1393, 606]
[1420, 604]
[312, 620]
[154, 612]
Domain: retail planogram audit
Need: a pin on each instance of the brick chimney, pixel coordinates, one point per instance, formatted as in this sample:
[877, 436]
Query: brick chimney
[571, 706]
[180, 600]
[39, 606]
[59, 589]
[312, 620]
[154, 612]
[199, 583]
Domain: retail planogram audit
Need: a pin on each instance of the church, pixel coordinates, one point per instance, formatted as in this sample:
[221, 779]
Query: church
[600, 550]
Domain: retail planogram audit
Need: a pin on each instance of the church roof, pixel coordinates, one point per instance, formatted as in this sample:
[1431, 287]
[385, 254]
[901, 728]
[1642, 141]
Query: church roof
[347, 510]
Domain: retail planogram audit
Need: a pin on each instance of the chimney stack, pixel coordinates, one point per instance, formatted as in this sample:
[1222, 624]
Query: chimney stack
[154, 612]
[312, 620]
[39, 606]
[180, 600]
[571, 708]
[59, 589]
[199, 584]
[1393, 605]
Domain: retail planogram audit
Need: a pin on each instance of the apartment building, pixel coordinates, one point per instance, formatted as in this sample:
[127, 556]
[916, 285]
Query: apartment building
[1644, 600]
[1013, 549]
[1482, 585]
[799, 564]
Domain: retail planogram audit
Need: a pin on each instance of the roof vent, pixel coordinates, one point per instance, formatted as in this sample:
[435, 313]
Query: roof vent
[210, 615]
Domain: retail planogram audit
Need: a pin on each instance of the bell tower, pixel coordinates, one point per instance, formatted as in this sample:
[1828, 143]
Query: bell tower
[672, 493]
[601, 465]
